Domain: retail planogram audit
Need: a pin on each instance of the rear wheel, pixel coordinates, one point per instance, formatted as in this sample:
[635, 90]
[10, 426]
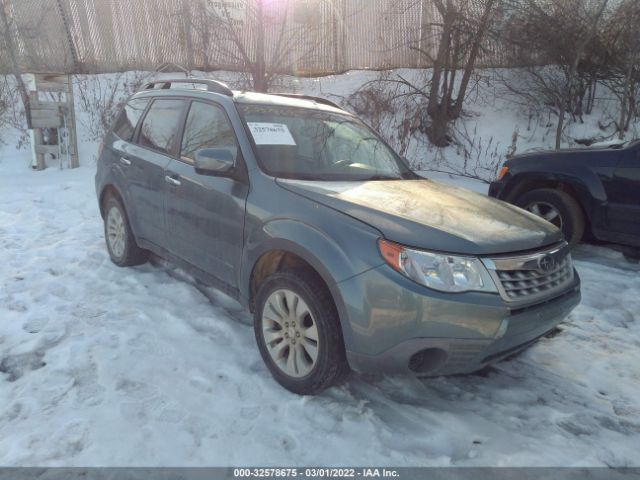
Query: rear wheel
[121, 244]
[558, 208]
[298, 332]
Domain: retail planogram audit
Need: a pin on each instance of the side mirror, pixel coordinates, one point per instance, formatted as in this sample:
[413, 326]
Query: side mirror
[214, 161]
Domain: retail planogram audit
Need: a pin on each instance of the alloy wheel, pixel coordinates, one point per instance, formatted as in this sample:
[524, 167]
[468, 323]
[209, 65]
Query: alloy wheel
[547, 211]
[290, 333]
[116, 233]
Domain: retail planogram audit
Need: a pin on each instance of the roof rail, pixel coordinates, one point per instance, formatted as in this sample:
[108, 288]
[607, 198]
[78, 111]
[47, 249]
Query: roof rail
[320, 100]
[212, 85]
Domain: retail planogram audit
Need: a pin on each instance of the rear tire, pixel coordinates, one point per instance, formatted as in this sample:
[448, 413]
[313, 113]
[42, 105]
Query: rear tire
[298, 332]
[121, 244]
[557, 207]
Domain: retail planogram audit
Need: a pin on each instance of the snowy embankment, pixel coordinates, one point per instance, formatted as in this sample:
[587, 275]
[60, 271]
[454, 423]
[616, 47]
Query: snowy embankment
[109, 366]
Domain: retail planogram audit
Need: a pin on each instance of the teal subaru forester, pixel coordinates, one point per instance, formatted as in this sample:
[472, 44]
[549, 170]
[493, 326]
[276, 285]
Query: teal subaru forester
[348, 259]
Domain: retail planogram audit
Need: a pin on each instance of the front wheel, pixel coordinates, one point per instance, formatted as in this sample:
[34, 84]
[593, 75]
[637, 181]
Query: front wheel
[557, 207]
[298, 332]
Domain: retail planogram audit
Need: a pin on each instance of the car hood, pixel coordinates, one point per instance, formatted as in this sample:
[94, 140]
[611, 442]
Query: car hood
[430, 215]
[584, 152]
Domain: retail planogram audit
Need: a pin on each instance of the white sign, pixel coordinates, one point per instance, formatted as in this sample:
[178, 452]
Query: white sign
[231, 12]
[271, 133]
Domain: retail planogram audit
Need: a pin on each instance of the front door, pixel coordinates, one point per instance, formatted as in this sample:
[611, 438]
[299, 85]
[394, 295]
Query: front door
[205, 214]
[624, 204]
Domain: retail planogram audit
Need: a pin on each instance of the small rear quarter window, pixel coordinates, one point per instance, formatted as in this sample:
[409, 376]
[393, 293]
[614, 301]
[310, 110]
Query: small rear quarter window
[126, 123]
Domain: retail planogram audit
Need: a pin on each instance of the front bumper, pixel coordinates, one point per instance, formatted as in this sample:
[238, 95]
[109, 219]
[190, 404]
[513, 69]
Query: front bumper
[403, 327]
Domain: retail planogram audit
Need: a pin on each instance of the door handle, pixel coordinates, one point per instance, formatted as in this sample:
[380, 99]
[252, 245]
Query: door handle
[125, 161]
[172, 181]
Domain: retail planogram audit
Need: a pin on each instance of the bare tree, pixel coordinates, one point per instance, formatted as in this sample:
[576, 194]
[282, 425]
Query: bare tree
[10, 49]
[432, 104]
[9, 115]
[463, 30]
[621, 71]
[14, 34]
[554, 42]
[261, 39]
[101, 96]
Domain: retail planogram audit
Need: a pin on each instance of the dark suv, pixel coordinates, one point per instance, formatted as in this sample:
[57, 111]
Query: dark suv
[585, 190]
[347, 258]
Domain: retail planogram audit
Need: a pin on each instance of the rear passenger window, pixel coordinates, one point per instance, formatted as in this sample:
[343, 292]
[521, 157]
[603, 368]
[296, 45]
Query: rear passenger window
[207, 127]
[128, 120]
[160, 125]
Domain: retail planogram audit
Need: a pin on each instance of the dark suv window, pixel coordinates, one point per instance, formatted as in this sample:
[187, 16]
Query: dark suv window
[128, 120]
[207, 126]
[160, 125]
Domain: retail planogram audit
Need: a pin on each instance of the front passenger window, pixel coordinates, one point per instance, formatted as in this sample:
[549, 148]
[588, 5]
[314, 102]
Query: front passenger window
[207, 127]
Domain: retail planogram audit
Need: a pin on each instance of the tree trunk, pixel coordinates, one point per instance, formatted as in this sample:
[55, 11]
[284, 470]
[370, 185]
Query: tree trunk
[560, 126]
[625, 103]
[438, 130]
[591, 96]
[443, 53]
[473, 55]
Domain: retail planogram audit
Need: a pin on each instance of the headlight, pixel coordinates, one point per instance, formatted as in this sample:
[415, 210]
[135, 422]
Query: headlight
[503, 171]
[442, 272]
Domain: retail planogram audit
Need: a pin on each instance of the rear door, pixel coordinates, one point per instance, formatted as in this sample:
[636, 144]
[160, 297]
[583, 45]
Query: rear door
[205, 214]
[118, 153]
[157, 142]
[624, 206]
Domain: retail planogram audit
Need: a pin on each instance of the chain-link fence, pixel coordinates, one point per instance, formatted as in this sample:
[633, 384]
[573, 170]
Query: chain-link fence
[95, 36]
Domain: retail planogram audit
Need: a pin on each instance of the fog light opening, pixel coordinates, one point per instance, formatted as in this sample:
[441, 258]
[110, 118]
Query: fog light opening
[427, 360]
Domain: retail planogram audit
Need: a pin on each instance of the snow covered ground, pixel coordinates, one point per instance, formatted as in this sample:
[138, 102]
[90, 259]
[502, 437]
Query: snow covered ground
[108, 366]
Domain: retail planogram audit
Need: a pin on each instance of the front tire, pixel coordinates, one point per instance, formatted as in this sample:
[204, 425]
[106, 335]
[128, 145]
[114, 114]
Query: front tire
[557, 207]
[121, 244]
[298, 332]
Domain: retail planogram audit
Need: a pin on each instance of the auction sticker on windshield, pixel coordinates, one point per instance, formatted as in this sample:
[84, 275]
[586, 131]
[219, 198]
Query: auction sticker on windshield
[270, 133]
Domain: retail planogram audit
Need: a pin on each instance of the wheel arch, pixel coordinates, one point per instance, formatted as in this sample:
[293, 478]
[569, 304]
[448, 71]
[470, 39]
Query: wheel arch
[279, 255]
[107, 191]
[288, 255]
[111, 189]
[585, 193]
[297, 245]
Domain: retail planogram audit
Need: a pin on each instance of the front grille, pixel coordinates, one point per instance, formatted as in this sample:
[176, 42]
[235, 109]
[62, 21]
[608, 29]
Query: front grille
[519, 284]
[530, 277]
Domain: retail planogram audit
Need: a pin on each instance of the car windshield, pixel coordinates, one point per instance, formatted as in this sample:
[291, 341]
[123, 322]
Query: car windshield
[307, 144]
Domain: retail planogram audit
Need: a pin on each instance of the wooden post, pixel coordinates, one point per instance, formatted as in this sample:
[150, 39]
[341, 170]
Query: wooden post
[71, 126]
[37, 138]
[48, 114]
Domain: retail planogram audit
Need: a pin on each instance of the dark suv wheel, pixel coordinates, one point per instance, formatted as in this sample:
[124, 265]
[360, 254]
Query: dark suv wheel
[557, 207]
[298, 332]
[121, 244]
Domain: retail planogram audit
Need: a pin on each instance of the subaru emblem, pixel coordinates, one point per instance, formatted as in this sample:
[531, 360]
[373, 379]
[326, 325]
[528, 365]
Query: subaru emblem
[547, 263]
